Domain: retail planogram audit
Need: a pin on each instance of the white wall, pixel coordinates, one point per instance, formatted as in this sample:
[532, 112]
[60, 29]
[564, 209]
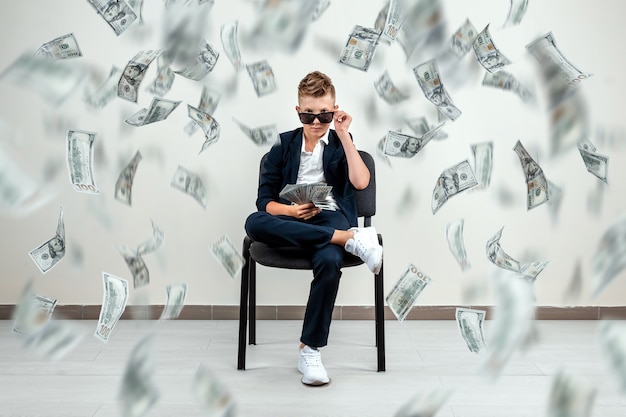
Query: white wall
[588, 33]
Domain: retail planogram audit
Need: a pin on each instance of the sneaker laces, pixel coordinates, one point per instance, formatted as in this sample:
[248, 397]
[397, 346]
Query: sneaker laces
[313, 360]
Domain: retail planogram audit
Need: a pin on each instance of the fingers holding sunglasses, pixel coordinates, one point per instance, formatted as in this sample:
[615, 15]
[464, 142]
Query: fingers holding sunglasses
[342, 120]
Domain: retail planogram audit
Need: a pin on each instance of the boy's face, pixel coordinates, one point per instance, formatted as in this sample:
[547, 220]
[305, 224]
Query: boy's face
[315, 105]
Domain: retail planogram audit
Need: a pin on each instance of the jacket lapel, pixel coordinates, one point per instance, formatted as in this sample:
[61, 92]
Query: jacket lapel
[295, 147]
[331, 148]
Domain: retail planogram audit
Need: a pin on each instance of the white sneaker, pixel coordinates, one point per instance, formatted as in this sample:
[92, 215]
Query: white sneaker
[365, 245]
[310, 364]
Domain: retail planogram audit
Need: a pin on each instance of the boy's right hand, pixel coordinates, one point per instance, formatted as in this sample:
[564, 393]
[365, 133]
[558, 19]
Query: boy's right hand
[305, 211]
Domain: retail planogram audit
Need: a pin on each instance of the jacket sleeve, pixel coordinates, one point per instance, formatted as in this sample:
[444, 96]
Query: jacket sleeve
[270, 177]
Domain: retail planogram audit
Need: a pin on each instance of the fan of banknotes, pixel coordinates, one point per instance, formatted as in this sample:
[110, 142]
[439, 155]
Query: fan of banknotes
[318, 193]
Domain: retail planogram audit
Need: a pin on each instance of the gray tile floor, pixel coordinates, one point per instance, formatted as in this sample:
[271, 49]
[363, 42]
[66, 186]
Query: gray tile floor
[421, 356]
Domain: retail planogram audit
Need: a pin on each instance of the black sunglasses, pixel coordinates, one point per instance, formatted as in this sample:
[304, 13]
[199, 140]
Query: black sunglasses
[308, 118]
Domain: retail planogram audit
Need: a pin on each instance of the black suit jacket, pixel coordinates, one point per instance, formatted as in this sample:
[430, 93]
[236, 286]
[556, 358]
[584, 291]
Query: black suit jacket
[281, 168]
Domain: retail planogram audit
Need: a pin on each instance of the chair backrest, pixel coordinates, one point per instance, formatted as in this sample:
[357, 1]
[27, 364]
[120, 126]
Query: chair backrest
[365, 198]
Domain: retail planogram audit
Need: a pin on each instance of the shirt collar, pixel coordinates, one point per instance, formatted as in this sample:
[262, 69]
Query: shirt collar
[323, 139]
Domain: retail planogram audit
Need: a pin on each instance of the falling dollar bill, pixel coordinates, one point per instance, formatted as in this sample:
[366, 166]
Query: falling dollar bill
[137, 267]
[483, 162]
[80, 146]
[209, 100]
[470, 323]
[262, 77]
[506, 81]
[426, 403]
[209, 126]
[226, 253]
[574, 288]
[114, 301]
[452, 181]
[387, 90]
[32, 311]
[124, 183]
[49, 253]
[609, 258]
[463, 39]
[159, 110]
[320, 8]
[117, 13]
[164, 80]
[134, 73]
[261, 135]
[283, 24]
[570, 397]
[214, 396]
[203, 62]
[517, 11]
[569, 124]
[63, 47]
[596, 164]
[612, 338]
[153, 242]
[395, 18]
[454, 236]
[544, 49]
[106, 92]
[359, 49]
[406, 146]
[54, 340]
[406, 290]
[536, 182]
[420, 126]
[189, 183]
[428, 79]
[487, 54]
[176, 294]
[531, 270]
[54, 80]
[498, 256]
[230, 43]
[138, 392]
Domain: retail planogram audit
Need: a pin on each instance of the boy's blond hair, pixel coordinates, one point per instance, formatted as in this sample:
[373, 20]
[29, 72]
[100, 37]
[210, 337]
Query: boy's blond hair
[316, 84]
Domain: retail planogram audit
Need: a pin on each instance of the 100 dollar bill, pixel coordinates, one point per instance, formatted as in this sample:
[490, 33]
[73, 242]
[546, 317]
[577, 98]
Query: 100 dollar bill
[80, 146]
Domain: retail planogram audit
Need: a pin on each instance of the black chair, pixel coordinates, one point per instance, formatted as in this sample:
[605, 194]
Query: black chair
[296, 258]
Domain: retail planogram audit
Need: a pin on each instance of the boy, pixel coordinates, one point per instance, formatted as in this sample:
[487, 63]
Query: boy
[316, 153]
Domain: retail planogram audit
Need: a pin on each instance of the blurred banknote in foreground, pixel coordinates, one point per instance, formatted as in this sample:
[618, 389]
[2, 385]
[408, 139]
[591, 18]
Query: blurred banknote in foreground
[117, 13]
[596, 164]
[452, 181]
[569, 124]
[209, 126]
[423, 28]
[406, 290]
[516, 12]
[134, 72]
[612, 337]
[609, 258]
[359, 49]
[427, 75]
[137, 267]
[189, 183]
[513, 314]
[230, 43]
[49, 253]
[202, 64]
[470, 323]
[114, 301]
[164, 78]
[54, 340]
[176, 294]
[262, 135]
[209, 99]
[454, 236]
[425, 404]
[506, 81]
[54, 80]
[153, 242]
[570, 397]
[159, 110]
[80, 146]
[63, 47]
[226, 253]
[124, 183]
[483, 162]
[262, 77]
[536, 182]
[215, 398]
[463, 39]
[32, 311]
[387, 90]
[138, 392]
[486, 52]
[106, 92]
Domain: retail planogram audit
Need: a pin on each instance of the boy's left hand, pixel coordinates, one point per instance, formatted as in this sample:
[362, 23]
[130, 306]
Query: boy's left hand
[342, 121]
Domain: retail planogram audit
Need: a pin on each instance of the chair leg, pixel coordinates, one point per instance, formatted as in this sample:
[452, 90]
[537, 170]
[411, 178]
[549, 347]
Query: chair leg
[379, 313]
[252, 304]
[243, 306]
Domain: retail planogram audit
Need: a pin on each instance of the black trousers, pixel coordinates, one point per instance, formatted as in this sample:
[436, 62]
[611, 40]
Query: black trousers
[327, 259]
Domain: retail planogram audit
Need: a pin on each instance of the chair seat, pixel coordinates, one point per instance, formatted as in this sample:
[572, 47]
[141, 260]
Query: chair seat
[290, 257]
